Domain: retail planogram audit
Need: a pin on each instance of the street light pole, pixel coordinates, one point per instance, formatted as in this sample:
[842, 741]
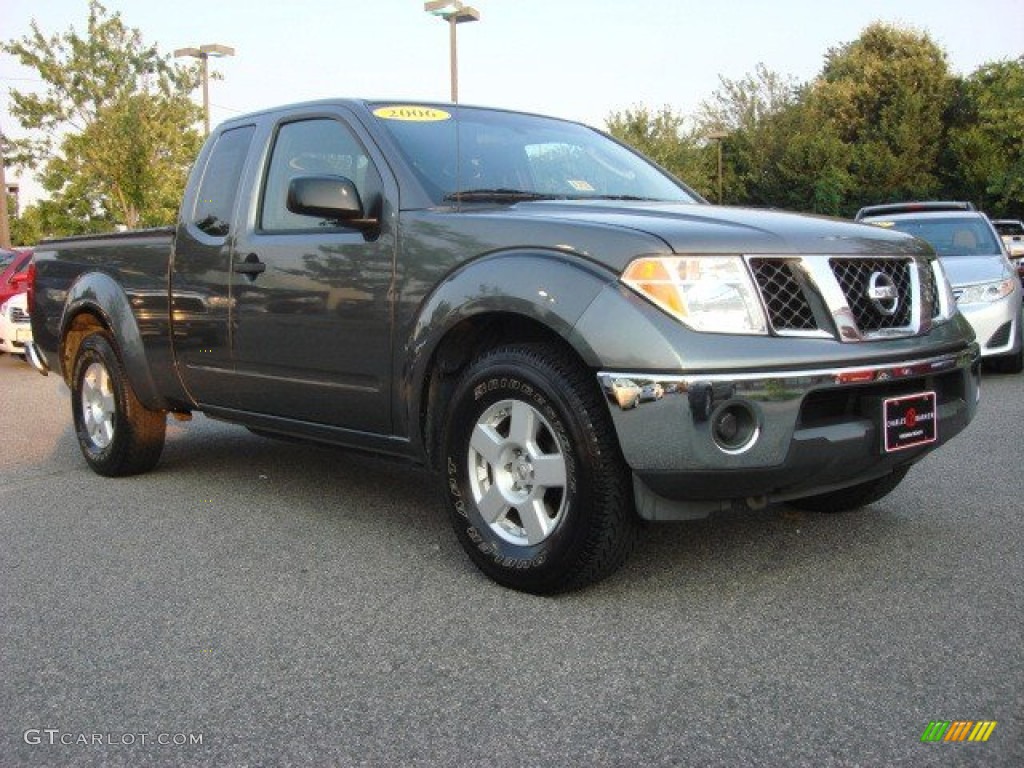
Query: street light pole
[203, 53]
[719, 137]
[455, 13]
[5, 227]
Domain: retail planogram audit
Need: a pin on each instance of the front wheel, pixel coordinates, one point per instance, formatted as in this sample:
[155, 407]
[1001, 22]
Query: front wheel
[537, 490]
[116, 433]
[854, 497]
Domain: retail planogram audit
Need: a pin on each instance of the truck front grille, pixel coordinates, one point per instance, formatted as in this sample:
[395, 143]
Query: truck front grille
[849, 298]
[854, 276]
[788, 309]
[19, 315]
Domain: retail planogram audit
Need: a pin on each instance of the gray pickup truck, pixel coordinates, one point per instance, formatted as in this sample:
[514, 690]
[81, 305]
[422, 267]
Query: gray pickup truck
[569, 337]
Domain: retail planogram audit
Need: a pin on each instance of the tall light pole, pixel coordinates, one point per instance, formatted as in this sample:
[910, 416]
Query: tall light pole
[203, 53]
[719, 137]
[5, 226]
[455, 13]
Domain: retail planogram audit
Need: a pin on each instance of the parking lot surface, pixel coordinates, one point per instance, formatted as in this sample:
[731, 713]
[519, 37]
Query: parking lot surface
[261, 603]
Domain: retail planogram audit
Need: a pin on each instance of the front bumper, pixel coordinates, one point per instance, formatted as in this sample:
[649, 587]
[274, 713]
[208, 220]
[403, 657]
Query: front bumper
[711, 440]
[996, 325]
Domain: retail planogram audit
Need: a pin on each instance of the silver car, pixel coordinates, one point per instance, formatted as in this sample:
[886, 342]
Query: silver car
[985, 283]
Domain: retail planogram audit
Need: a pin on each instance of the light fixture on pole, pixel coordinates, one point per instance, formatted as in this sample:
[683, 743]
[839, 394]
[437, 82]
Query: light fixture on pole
[203, 53]
[455, 13]
[719, 137]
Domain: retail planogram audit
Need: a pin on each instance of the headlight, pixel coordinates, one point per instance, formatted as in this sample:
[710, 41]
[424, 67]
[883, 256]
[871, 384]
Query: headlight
[947, 302]
[707, 293]
[986, 292]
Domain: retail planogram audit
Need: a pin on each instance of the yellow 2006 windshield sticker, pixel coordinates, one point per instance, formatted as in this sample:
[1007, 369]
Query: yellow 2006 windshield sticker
[411, 113]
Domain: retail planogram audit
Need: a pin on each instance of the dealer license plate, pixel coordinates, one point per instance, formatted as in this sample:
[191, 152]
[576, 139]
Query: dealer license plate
[909, 421]
[22, 334]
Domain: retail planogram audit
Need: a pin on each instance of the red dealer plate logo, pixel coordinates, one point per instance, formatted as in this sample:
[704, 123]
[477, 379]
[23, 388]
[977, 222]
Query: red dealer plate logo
[909, 421]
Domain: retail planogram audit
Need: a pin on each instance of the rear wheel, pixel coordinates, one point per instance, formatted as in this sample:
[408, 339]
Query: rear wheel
[116, 433]
[538, 493]
[854, 497]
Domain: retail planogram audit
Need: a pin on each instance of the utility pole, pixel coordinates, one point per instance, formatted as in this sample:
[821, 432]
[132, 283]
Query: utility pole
[5, 227]
[718, 137]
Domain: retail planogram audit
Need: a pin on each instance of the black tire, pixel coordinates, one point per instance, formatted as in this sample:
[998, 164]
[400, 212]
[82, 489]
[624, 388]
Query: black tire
[854, 497]
[117, 435]
[560, 514]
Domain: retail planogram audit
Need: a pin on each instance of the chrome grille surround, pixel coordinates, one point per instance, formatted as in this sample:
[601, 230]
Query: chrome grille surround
[832, 296]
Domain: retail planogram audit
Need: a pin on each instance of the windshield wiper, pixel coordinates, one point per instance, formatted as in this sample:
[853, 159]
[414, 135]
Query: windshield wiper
[630, 198]
[498, 194]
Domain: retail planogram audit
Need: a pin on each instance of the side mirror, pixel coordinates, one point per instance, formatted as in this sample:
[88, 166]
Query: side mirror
[329, 197]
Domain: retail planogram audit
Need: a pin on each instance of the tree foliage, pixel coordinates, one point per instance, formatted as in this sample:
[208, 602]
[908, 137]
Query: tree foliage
[885, 95]
[663, 137]
[750, 112]
[111, 133]
[985, 152]
[884, 120]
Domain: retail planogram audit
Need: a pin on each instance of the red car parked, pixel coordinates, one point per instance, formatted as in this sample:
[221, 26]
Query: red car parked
[12, 263]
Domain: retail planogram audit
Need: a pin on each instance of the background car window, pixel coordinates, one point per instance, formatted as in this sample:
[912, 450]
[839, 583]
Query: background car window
[952, 236]
[217, 191]
[322, 147]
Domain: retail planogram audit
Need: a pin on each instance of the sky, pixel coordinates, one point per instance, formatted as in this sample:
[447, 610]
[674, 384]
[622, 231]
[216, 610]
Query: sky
[578, 59]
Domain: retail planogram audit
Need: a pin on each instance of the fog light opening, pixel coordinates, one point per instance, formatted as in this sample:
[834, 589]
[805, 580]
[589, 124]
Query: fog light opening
[734, 428]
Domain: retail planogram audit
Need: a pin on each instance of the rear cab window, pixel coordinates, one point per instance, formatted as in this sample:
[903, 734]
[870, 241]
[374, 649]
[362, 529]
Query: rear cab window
[215, 200]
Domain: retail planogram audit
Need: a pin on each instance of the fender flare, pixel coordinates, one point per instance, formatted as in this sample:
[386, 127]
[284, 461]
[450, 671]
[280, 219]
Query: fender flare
[99, 294]
[549, 287]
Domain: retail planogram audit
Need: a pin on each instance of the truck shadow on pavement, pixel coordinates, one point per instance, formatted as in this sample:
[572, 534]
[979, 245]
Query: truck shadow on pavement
[394, 501]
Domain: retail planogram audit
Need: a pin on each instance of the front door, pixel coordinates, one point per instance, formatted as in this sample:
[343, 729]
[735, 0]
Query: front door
[311, 322]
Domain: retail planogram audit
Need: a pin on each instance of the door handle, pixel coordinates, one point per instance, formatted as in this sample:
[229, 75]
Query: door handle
[251, 267]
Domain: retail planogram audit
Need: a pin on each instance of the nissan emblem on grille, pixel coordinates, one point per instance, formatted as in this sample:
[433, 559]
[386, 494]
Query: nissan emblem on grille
[883, 293]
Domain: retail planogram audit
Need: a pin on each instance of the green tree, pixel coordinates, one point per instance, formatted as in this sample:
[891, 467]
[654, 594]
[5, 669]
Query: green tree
[984, 161]
[664, 138]
[885, 95]
[807, 164]
[112, 133]
[749, 111]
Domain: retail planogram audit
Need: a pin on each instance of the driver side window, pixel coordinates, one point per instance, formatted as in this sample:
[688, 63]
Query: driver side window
[317, 147]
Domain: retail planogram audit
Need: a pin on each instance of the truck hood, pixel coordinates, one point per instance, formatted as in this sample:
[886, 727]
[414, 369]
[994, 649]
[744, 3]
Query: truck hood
[969, 270]
[708, 229]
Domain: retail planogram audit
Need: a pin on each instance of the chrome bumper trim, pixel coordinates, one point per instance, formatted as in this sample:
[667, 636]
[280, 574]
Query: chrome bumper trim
[36, 358]
[666, 423]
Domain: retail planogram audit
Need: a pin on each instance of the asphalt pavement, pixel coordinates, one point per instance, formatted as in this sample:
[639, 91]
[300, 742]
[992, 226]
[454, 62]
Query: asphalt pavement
[253, 602]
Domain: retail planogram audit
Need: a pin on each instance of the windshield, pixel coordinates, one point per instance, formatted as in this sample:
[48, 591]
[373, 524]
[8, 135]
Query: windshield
[949, 236]
[468, 154]
[6, 257]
